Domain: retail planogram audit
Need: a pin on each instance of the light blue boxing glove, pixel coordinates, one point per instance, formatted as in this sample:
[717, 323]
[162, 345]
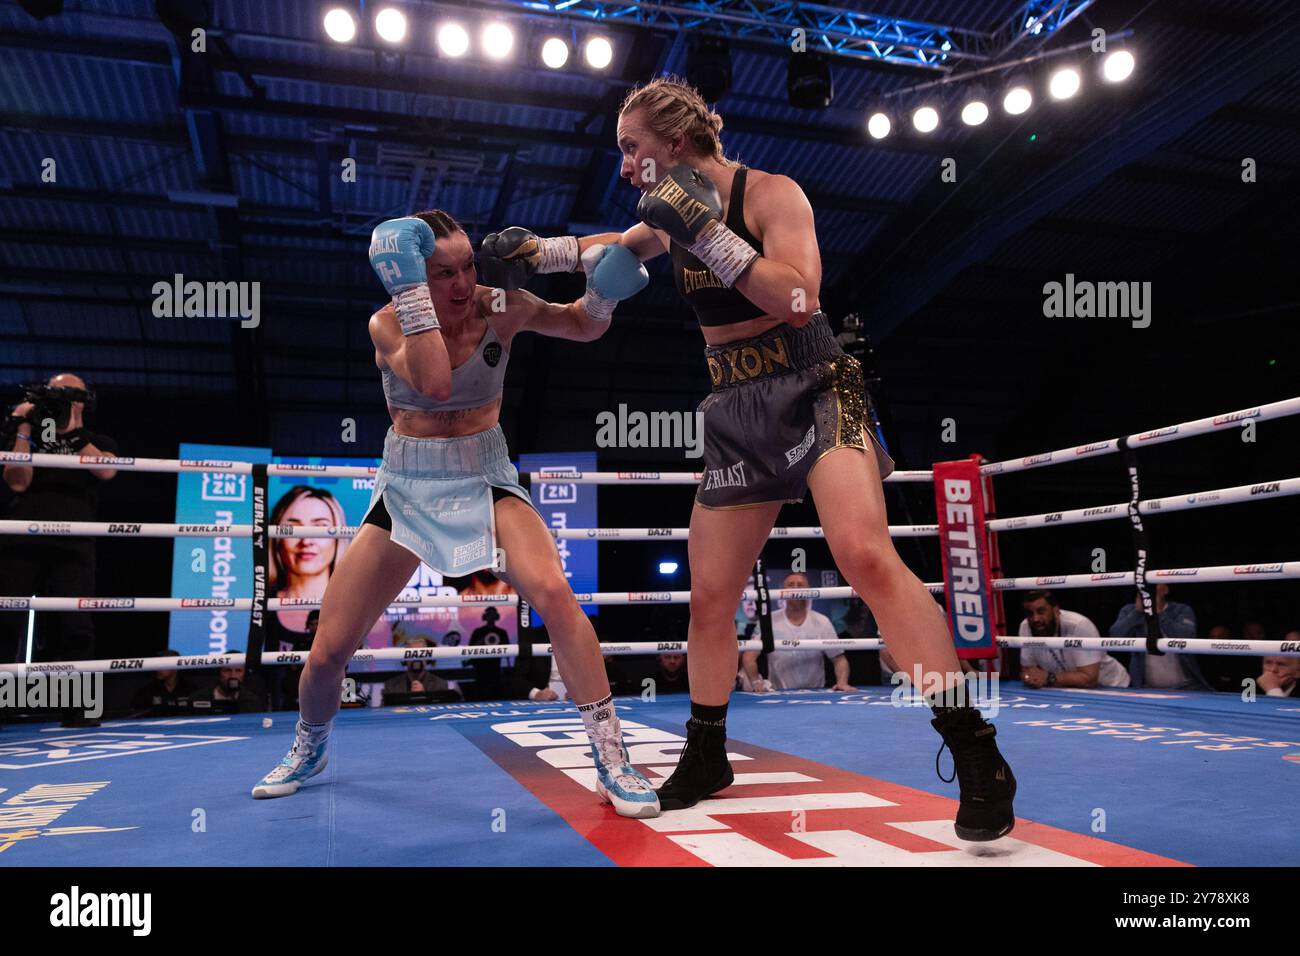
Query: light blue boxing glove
[613, 273]
[398, 248]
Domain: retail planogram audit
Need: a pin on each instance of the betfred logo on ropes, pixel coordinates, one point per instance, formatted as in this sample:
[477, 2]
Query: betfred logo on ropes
[1158, 433]
[650, 597]
[1045, 582]
[1109, 576]
[105, 604]
[1095, 446]
[207, 602]
[1257, 569]
[200, 464]
[308, 469]
[15, 604]
[1036, 459]
[105, 460]
[638, 475]
[486, 598]
[1236, 417]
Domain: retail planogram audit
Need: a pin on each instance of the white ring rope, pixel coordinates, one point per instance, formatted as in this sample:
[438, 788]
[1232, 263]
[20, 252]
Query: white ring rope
[1227, 572]
[1201, 499]
[1201, 426]
[1157, 436]
[481, 651]
[1222, 496]
[120, 529]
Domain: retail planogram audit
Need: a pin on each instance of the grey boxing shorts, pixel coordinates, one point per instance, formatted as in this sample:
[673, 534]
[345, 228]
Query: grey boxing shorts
[780, 401]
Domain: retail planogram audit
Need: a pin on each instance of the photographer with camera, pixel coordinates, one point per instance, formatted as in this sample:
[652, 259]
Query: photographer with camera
[50, 420]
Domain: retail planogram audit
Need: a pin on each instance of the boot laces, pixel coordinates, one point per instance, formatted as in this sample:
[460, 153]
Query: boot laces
[973, 768]
[614, 757]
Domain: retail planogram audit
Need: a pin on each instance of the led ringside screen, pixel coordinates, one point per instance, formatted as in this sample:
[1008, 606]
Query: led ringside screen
[300, 567]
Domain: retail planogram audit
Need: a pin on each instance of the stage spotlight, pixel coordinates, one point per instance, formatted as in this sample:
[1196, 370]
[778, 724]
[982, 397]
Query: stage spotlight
[926, 119]
[498, 40]
[555, 53]
[340, 26]
[1018, 98]
[453, 40]
[976, 111]
[390, 24]
[878, 126]
[808, 83]
[1064, 83]
[599, 53]
[1117, 66]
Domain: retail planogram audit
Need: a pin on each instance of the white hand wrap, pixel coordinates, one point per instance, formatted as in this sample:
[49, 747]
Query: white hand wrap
[559, 254]
[599, 308]
[724, 252]
[415, 309]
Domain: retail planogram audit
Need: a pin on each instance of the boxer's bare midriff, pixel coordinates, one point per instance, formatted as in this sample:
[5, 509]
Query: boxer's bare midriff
[458, 424]
[722, 334]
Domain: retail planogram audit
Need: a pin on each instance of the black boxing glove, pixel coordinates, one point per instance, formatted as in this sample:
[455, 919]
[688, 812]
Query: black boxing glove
[513, 256]
[685, 204]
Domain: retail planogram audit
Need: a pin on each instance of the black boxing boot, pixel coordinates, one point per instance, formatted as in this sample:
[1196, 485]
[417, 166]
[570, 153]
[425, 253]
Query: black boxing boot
[703, 767]
[987, 784]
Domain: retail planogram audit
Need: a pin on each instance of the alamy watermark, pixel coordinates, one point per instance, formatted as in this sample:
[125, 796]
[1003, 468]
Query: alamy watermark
[978, 689]
[208, 300]
[62, 691]
[1082, 299]
[624, 429]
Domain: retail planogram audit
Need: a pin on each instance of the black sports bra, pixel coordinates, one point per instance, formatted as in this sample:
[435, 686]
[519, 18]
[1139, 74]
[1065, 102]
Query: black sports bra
[714, 303]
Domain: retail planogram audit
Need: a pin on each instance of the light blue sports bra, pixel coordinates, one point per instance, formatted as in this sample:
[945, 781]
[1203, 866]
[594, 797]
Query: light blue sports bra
[477, 381]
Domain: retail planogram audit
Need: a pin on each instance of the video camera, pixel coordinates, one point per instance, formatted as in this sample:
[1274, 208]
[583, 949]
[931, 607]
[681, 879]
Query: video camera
[48, 402]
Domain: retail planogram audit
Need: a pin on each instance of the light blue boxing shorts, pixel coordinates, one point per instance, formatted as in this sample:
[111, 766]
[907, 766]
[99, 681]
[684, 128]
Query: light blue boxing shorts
[438, 494]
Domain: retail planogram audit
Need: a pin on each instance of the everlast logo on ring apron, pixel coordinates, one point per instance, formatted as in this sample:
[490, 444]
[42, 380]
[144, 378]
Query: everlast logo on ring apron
[748, 362]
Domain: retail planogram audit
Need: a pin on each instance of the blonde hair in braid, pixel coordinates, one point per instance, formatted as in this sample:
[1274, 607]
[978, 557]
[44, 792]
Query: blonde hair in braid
[671, 108]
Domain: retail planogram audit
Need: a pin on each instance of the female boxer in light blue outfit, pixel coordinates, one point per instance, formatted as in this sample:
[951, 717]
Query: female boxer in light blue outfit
[447, 493]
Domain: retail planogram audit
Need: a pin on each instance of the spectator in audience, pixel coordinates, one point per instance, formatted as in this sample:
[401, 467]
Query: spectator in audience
[1281, 675]
[537, 678]
[1253, 631]
[671, 676]
[164, 691]
[235, 690]
[418, 678]
[51, 421]
[1172, 671]
[795, 668]
[1220, 632]
[229, 682]
[1063, 667]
